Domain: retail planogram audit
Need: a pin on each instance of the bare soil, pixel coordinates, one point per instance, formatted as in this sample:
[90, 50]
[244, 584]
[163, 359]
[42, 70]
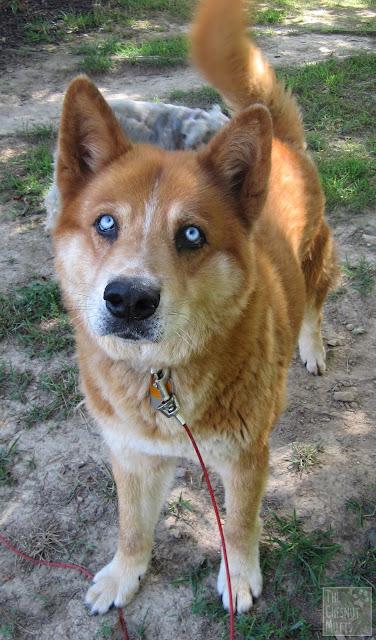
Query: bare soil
[68, 497]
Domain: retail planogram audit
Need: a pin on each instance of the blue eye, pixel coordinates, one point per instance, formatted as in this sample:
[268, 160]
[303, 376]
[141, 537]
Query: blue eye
[192, 234]
[190, 237]
[106, 226]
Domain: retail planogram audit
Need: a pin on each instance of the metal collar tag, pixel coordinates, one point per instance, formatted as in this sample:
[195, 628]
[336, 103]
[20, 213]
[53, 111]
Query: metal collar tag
[162, 396]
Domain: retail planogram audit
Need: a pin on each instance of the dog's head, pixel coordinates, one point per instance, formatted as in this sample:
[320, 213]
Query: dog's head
[153, 247]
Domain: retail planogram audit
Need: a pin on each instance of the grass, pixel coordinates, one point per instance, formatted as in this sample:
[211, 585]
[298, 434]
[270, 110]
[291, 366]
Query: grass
[348, 179]
[337, 104]
[28, 174]
[13, 383]
[105, 631]
[64, 390]
[35, 316]
[336, 95]
[8, 456]
[47, 542]
[180, 10]
[296, 562]
[348, 14]
[366, 508]
[141, 629]
[362, 275]
[270, 16]
[298, 555]
[36, 132]
[360, 569]
[305, 455]
[63, 25]
[194, 576]
[203, 98]
[99, 58]
[179, 506]
[96, 480]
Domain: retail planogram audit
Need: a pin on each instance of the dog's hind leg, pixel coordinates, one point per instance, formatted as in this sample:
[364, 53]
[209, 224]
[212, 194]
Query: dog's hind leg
[319, 268]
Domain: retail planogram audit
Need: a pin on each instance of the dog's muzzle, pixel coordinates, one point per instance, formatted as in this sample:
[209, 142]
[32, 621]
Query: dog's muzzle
[131, 302]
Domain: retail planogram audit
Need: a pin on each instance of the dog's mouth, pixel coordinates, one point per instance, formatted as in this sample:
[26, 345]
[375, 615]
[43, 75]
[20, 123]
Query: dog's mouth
[130, 310]
[141, 331]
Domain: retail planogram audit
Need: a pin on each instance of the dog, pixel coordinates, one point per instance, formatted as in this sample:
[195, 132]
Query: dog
[212, 263]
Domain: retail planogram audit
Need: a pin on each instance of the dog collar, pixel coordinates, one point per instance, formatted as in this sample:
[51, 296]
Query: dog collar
[162, 395]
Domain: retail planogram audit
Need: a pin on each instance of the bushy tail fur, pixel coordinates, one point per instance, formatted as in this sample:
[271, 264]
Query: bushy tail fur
[234, 65]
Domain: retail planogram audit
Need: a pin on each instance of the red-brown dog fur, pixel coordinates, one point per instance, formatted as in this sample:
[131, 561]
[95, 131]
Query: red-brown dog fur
[230, 313]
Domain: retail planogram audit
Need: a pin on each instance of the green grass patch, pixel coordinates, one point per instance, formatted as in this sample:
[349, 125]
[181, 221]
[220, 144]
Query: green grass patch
[270, 16]
[64, 389]
[178, 507]
[180, 10]
[37, 132]
[203, 98]
[361, 274]
[305, 455]
[336, 96]
[194, 576]
[99, 58]
[28, 174]
[348, 181]
[8, 456]
[158, 51]
[296, 562]
[62, 25]
[298, 555]
[35, 315]
[345, 14]
[13, 383]
[365, 507]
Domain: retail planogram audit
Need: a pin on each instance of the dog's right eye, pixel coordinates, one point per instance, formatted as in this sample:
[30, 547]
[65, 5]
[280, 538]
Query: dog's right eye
[106, 226]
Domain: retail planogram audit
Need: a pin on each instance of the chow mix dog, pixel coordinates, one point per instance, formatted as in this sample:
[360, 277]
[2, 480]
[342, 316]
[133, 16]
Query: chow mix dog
[213, 263]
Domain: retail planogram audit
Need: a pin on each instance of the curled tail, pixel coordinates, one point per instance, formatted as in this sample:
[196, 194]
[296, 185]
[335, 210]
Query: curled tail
[234, 65]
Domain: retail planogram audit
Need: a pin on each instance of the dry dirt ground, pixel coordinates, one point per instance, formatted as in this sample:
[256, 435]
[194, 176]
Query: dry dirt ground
[63, 490]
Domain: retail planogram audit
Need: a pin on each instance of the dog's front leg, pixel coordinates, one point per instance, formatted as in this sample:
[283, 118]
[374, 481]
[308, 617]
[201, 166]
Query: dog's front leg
[142, 482]
[244, 481]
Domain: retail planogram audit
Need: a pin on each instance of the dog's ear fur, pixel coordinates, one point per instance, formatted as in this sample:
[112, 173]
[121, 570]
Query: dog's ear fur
[239, 157]
[90, 137]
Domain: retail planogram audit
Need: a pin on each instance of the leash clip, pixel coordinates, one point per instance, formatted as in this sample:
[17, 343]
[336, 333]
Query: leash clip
[161, 389]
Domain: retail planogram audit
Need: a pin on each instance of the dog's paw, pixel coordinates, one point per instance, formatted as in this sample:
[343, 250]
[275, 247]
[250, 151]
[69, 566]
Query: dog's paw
[313, 355]
[246, 584]
[311, 347]
[115, 584]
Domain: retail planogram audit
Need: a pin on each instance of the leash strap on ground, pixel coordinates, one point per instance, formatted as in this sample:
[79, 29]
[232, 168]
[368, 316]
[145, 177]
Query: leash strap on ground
[64, 566]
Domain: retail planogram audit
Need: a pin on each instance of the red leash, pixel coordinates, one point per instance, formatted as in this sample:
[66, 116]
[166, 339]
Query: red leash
[65, 566]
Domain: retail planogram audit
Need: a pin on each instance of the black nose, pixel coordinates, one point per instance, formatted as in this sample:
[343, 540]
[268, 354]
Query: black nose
[131, 298]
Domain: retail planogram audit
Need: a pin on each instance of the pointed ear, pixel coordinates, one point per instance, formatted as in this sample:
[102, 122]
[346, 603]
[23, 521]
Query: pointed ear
[90, 137]
[239, 156]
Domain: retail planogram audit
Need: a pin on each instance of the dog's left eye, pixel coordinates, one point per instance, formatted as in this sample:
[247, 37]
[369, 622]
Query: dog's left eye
[190, 237]
[106, 226]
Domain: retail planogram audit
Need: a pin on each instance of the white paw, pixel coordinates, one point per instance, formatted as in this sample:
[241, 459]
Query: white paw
[311, 348]
[246, 584]
[115, 584]
[313, 355]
